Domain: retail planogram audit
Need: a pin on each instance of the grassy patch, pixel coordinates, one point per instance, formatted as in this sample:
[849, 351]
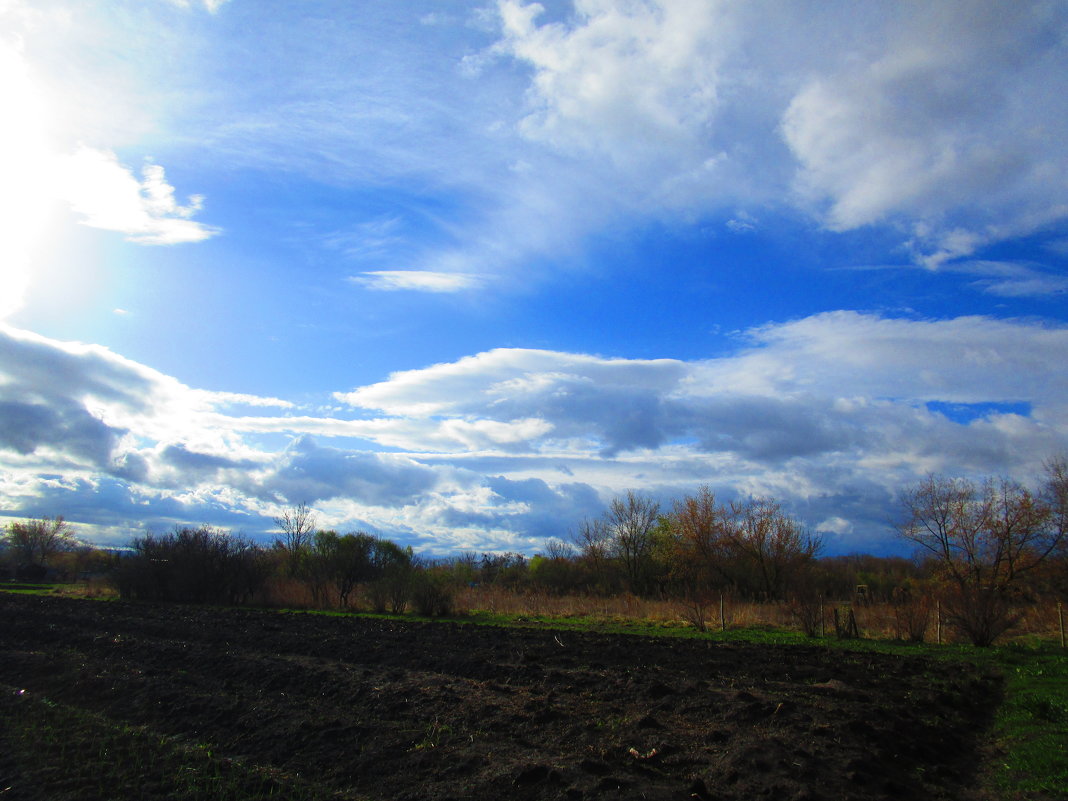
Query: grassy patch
[22, 588]
[1032, 723]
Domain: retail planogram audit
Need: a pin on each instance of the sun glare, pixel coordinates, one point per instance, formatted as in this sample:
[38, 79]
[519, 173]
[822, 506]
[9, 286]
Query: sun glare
[27, 165]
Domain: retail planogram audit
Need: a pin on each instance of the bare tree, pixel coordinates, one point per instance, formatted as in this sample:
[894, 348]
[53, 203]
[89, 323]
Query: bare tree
[35, 541]
[1055, 494]
[298, 527]
[298, 530]
[631, 521]
[986, 539]
[774, 547]
[753, 546]
[697, 552]
[593, 541]
[558, 549]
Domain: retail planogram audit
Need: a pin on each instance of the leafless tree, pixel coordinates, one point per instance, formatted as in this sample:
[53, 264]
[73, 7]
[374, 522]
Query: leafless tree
[35, 541]
[298, 530]
[986, 539]
[752, 546]
[773, 546]
[593, 542]
[298, 527]
[631, 521]
[697, 552]
[558, 549]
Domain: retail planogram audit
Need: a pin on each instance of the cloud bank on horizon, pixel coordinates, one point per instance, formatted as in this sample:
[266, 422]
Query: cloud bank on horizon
[459, 275]
[505, 448]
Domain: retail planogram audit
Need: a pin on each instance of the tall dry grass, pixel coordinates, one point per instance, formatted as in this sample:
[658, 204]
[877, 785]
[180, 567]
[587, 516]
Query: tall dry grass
[883, 621]
[874, 620]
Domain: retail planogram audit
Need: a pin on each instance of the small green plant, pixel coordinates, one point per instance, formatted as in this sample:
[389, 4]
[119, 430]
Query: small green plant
[435, 735]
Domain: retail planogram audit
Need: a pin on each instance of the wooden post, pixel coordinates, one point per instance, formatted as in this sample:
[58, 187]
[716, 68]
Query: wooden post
[823, 620]
[938, 621]
[1060, 621]
[722, 617]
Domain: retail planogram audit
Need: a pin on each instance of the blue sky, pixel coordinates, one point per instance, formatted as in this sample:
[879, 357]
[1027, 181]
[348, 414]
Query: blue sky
[459, 273]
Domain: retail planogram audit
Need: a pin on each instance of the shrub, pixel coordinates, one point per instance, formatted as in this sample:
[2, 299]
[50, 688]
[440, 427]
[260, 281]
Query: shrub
[201, 565]
[432, 595]
[391, 592]
[806, 607]
[912, 614]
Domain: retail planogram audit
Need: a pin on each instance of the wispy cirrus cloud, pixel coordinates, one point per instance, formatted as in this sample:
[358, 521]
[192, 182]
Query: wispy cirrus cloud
[211, 6]
[1012, 279]
[418, 281]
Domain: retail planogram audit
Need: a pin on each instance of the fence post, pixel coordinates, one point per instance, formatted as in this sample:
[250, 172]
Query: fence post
[938, 621]
[722, 617]
[1060, 621]
[823, 620]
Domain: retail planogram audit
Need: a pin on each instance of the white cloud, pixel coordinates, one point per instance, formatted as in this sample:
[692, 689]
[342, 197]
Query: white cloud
[1012, 279]
[41, 173]
[946, 119]
[107, 195]
[490, 379]
[828, 413]
[211, 6]
[950, 114]
[835, 525]
[418, 281]
[635, 81]
[837, 386]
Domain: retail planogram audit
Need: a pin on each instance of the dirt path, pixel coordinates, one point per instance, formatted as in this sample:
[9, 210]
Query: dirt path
[387, 710]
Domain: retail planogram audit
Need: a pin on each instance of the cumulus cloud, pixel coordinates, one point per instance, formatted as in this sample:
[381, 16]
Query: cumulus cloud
[832, 414]
[951, 116]
[944, 119]
[837, 385]
[312, 473]
[634, 81]
[94, 405]
[105, 194]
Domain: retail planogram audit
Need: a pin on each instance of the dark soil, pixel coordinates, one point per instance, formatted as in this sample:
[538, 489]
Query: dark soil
[378, 709]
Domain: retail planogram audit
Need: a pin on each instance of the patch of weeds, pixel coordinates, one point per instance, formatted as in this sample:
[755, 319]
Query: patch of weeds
[1044, 708]
[22, 588]
[435, 735]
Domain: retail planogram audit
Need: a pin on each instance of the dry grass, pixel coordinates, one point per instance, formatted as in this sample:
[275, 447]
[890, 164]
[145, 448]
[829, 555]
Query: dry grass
[875, 620]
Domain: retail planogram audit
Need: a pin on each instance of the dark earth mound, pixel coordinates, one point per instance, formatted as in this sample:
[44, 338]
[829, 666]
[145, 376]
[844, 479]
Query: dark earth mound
[379, 709]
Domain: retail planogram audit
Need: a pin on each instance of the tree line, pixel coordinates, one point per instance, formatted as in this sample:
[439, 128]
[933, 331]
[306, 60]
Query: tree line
[983, 549]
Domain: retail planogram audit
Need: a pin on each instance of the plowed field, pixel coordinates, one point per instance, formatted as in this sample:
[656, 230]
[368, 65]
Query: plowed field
[377, 709]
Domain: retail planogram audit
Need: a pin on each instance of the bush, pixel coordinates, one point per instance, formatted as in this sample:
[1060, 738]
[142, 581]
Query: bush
[391, 592]
[912, 614]
[201, 565]
[432, 595]
[806, 607]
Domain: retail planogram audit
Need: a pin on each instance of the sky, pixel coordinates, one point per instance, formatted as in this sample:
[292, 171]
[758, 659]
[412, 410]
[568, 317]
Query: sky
[460, 273]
